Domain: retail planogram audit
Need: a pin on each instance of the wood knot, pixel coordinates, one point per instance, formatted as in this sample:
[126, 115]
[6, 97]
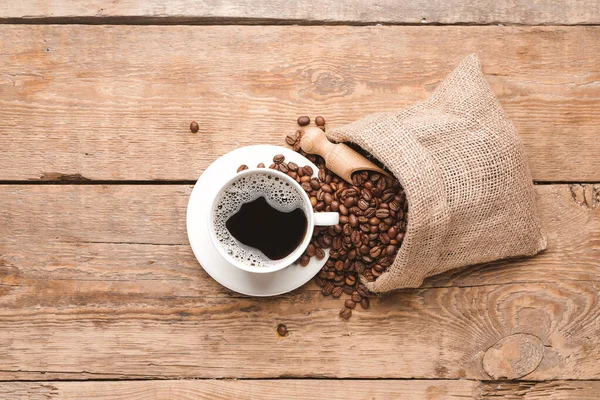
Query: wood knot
[586, 195]
[514, 356]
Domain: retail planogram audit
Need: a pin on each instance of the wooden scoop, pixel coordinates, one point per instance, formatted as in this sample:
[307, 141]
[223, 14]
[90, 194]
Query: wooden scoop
[339, 158]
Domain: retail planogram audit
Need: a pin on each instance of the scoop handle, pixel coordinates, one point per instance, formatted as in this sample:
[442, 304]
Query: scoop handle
[339, 158]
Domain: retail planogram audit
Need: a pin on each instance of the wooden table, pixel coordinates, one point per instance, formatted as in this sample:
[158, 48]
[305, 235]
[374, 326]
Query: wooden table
[100, 294]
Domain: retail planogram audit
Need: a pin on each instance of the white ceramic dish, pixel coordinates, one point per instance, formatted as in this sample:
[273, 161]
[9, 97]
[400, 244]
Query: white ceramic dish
[206, 188]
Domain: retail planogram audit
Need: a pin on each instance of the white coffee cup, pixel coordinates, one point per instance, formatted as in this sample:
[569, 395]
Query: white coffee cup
[313, 219]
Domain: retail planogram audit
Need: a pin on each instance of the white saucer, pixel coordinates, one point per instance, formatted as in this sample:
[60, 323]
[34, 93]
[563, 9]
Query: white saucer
[214, 264]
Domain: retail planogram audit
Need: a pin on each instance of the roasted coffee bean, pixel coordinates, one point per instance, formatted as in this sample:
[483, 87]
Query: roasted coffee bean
[327, 188]
[337, 228]
[335, 206]
[365, 228]
[303, 120]
[362, 290]
[331, 231]
[320, 121]
[387, 196]
[320, 253]
[374, 221]
[359, 266]
[194, 127]
[390, 250]
[322, 274]
[314, 183]
[369, 275]
[260, 165]
[327, 289]
[384, 206]
[292, 166]
[356, 297]
[363, 220]
[374, 176]
[242, 168]
[308, 170]
[384, 238]
[337, 291]
[350, 201]
[381, 184]
[395, 206]
[363, 204]
[364, 249]
[296, 146]
[337, 243]
[352, 254]
[350, 280]
[310, 250]
[347, 289]
[322, 175]
[273, 166]
[343, 209]
[283, 168]
[385, 262]
[367, 259]
[347, 230]
[334, 254]
[330, 275]
[375, 252]
[364, 303]
[378, 268]
[343, 218]
[350, 303]
[339, 265]
[345, 313]
[304, 260]
[282, 330]
[306, 186]
[366, 194]
[376, 273]
[320, 206]
[355, 210]
[320, 281]
[320, 195]
[400, 236]
[328, 198]
[355, 236]
[370, 212]
[389, 220]
[290, 140]
[278, 159]
[313, 201]
[352, 220]
[382, 213]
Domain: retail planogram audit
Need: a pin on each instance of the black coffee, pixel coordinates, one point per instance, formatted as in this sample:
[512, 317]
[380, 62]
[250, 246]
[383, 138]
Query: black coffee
[276, 233]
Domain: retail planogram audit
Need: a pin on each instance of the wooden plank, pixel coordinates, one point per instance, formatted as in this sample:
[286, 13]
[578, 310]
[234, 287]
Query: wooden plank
[241, 390]
[305, 389]
[137, 234]
[305, 12]
[98, 281]
[552, 390]
[115, 102]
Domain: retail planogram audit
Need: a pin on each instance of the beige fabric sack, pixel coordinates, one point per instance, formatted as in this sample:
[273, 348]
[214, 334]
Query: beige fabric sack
[463, 167]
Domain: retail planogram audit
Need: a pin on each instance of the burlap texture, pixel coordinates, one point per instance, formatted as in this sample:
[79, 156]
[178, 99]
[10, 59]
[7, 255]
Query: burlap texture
[468, 186]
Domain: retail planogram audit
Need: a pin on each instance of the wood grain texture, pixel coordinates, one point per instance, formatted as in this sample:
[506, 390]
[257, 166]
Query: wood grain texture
[313, 11]
[242, 390]
[115, 102]
[553, 390]
[98, 281]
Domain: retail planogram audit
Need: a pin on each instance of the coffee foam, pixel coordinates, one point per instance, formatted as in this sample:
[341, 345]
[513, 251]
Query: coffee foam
[278, 193]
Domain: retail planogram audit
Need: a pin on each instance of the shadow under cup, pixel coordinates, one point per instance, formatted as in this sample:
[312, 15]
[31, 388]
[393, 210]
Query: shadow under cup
[282, 193]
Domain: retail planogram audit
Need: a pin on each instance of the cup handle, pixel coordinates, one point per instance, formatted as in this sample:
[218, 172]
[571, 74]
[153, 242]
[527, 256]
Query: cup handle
[326, 218]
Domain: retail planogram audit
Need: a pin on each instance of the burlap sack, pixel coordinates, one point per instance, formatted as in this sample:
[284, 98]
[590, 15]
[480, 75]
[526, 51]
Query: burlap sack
[463, 167]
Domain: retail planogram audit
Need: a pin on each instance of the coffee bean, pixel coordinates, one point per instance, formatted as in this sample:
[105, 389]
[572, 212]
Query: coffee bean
[363, 220]
[359, 267]
[350, 280]
[282, 330]
[343, 218]
[356, 297]
[308, 170]
[343, 209]
[320, 281]
[320, 206]
[283, 168]
[383, 227]
[328, 198]
[337, 243]
[374, 221]
[364, 249]
[384, 238]
[304, 260]
[260, 165]
[337, 291]
[290, 140]
[273, 166]
[242, 168]
[339, 265]
[374, 176]
[350, 201]
[352, 254]
[387, 196]
[327, 289]
[313, 201]
[390, 250]
[278, 159]
[292, 166]
[378, 268]
[347, 289]
[363, 204]
[345, 313]
[335, 206]
[376, 273]
[366, 194]
[314, 182]
[389, 220]
[330, 275]
[364, 303]
[320, 121]
[337, 228]
[395, 206]
[385, 262]
[350, 303]
[320, 253]
[382, 213]
[370, 212]
[310, 250]
[303, 120]
[400, 236]
[375, 252]
[306, 186]
[347, 230]
[355, 237]
[365, 228]
[327, 188]
[353, 220]
[320, 195]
